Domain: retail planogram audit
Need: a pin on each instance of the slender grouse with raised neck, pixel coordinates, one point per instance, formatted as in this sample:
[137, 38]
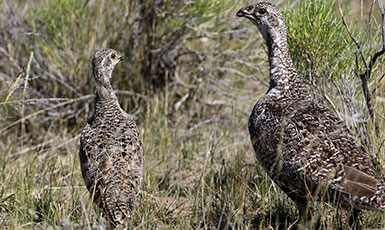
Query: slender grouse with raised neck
[111, 153]
[302, 145]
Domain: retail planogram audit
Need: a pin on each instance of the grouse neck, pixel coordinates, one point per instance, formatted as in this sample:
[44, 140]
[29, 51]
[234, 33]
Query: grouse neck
[104, 94]
[282, 70]
[105, 106]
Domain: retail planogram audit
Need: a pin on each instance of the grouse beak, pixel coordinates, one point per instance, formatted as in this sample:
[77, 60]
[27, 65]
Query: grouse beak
[240, 13]
[246, 12]
[121, 58]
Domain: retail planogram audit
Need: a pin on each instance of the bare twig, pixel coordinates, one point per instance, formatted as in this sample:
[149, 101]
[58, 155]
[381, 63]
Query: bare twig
[369, 65]
[23, 119]
[35, 100]
[358, 45]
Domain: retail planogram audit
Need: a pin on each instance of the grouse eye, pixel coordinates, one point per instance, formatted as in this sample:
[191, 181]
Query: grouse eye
[113, 56]
[262, 11]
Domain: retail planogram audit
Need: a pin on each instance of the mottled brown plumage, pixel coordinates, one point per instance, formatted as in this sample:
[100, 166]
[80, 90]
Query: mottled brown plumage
[302, 145]
[111, 153]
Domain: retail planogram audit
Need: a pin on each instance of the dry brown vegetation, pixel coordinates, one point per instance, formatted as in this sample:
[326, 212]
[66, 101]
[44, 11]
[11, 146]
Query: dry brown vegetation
[192, 74]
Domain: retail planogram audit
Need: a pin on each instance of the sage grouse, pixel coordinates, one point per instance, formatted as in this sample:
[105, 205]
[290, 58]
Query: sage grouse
[302, 145]
[111, 153]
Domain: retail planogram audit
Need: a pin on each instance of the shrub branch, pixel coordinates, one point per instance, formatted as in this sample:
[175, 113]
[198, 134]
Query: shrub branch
[369, 65]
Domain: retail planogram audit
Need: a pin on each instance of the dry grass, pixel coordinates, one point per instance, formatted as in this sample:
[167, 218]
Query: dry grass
[200, 169]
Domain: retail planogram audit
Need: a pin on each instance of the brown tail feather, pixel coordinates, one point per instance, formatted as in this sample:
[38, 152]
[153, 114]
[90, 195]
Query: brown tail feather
[359, 183]
[360, 177]
[358, 189]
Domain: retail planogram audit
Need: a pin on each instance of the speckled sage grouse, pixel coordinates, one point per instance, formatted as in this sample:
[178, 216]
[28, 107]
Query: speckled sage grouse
[111, 153]
[302, 145]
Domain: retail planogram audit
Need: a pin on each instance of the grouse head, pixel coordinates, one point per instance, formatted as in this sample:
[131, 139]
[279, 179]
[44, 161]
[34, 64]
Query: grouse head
[103, 64]
[268, 18]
